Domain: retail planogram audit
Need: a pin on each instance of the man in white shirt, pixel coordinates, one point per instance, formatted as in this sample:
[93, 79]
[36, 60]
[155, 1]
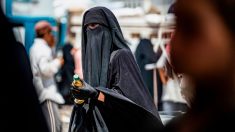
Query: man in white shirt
[44, 67]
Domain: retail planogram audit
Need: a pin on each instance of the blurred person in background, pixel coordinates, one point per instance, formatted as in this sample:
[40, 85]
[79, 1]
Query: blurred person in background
[66, 72]
[203, 49]
[72, 65]
[134, 41]
[116, 98]
[45, 66]
[145, 55]
[172, 98]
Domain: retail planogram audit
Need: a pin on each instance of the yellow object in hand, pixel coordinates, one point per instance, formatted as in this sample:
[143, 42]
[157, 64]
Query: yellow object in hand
[78, 84]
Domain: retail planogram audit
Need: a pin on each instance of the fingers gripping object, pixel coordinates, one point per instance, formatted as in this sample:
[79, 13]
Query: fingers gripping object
[82, 91]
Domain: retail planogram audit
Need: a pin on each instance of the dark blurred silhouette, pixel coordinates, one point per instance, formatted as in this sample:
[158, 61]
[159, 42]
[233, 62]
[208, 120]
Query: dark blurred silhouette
[203, 49]
[20, 109]
[67, 72]
[144, 55]
[172, 8]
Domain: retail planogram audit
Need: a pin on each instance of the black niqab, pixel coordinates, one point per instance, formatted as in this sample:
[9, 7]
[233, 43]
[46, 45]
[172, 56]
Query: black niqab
[99, 43]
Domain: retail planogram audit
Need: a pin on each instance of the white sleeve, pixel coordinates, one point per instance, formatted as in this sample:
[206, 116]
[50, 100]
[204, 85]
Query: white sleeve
[48, 67]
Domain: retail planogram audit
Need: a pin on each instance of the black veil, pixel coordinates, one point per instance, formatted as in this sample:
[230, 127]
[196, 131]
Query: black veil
[96, 56]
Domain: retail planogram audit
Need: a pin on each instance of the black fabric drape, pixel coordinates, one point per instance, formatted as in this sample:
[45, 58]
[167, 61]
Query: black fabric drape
[116, 114]
[20, 109]
[125, 77]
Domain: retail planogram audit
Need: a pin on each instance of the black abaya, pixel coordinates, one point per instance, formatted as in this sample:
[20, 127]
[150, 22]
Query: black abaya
[128, 105]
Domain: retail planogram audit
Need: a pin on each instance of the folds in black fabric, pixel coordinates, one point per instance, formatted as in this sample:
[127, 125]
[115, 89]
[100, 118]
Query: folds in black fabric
[87, 118]
[117, 114]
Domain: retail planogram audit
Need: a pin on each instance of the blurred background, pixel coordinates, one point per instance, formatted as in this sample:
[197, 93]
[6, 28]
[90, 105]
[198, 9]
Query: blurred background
[133, 15]
[151, 20]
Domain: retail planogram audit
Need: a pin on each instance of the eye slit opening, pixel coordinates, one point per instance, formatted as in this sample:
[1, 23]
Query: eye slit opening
[93, 25]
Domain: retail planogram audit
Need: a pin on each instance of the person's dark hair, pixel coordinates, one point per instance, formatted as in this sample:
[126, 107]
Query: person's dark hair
[226, 9]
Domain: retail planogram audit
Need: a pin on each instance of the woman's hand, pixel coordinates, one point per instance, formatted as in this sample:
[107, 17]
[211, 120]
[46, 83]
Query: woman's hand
[85, 92]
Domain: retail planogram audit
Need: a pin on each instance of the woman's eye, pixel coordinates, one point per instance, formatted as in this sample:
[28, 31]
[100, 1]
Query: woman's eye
[93, 25]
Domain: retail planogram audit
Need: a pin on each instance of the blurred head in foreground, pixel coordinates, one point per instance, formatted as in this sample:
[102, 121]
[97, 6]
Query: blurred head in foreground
[203, 46]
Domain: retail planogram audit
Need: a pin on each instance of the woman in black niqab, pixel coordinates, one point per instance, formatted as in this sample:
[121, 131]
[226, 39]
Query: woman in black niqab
[99, 43]
[110, 68]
